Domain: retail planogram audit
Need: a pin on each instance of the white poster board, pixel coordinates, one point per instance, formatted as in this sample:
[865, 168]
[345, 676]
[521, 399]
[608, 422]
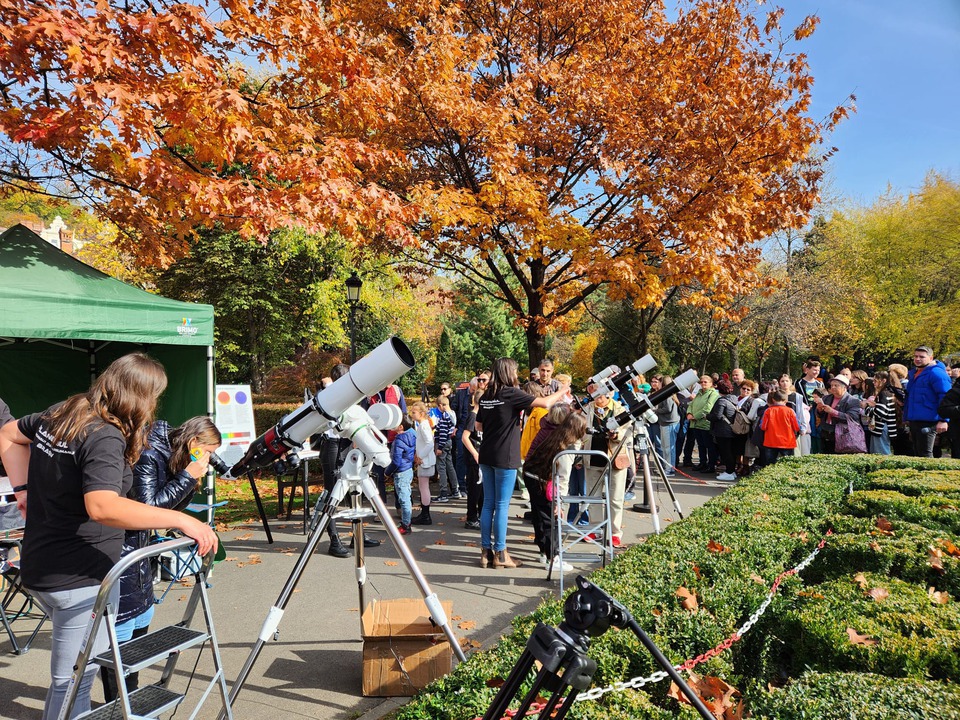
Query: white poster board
[234, 411]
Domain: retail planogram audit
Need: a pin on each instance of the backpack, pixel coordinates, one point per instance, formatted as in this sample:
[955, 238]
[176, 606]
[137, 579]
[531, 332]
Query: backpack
[741, 424]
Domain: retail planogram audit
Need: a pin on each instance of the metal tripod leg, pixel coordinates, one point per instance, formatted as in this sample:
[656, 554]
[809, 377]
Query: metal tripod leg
[354, 478]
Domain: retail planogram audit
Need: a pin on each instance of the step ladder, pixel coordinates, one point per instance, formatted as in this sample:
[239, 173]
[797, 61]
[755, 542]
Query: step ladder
[162, 646]
[590, 543]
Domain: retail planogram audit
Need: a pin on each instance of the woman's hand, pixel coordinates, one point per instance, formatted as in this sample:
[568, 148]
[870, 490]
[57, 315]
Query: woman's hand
[201, 532]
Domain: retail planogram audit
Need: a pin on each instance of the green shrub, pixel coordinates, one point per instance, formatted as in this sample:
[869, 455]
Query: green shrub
[266, 415]
[910, 634]
[728, 552]
[845, 696]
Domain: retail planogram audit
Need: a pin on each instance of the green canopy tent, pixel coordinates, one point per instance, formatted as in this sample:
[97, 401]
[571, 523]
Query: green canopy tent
[62, 322]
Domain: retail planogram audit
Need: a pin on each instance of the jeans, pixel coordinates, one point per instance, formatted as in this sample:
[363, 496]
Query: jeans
[668, 440]
[880, 444]
[498, 484]
[654, 431]
[69, 612]
[924, 435]
[706, 447]
[577, 486]
[446, 473]
[460, 462]
[402, 481]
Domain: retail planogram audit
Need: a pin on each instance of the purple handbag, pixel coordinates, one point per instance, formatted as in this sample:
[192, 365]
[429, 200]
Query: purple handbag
[850, 438]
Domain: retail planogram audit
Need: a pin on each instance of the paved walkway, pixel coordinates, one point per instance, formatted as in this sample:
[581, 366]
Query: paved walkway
[313, 670]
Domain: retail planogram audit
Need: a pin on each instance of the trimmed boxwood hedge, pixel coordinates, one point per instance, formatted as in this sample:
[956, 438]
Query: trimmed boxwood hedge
[790, 665]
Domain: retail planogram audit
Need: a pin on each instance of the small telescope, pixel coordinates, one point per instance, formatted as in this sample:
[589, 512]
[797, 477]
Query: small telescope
[638, 405]
[369, 375]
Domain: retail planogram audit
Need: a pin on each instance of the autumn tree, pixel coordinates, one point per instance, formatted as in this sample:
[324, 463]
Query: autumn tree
[563, 147]
[168, 117]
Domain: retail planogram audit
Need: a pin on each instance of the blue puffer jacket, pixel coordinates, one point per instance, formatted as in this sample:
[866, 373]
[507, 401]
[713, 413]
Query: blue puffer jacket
[925, 391]
[153, 484]
[403, 450]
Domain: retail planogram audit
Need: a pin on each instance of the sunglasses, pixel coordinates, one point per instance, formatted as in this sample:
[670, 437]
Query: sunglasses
[483, 380]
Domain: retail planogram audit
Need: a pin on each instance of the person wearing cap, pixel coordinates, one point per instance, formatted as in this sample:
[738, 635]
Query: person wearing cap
[837, 406]
[928, 385]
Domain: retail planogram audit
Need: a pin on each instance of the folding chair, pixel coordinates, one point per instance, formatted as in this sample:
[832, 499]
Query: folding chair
[17, 603]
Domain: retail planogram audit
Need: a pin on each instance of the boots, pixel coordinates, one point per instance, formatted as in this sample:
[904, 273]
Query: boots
[486, 557]
[423, 518]
[336, 548]
[502, 559]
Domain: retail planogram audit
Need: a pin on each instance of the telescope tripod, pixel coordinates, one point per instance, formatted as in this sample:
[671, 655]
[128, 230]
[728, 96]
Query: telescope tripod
[354, 481]
[644, 449]
[566, 669]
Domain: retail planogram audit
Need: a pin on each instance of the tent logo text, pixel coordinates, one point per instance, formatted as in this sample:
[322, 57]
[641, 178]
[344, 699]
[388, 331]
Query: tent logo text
[186, 327]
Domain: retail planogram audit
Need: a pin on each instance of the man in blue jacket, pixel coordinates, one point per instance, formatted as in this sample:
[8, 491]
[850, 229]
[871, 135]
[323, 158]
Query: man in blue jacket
[928, 384]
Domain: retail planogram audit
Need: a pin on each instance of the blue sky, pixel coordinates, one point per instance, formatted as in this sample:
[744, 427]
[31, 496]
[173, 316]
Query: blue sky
[901, 58]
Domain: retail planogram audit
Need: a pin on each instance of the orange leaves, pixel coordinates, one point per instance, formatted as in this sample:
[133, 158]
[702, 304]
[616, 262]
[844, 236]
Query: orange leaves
[884, 526]
[937, 597]
[935, 559]
[878, 594]
[715, 547]
[858, 639]
[688, 599]
[720, 698]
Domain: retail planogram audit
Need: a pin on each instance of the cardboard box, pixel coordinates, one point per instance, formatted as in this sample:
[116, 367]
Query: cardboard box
[402, 650]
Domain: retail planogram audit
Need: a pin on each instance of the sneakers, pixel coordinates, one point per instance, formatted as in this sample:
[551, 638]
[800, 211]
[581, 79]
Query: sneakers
[583, 522]
[472, 524]
[459, 495]
[442, 498]
[629, 495]
[405, 530]
[556, 566]
[726, 476]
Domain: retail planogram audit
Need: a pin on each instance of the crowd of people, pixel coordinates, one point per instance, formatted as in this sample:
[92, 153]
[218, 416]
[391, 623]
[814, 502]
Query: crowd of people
[94, 472]
[489, 436]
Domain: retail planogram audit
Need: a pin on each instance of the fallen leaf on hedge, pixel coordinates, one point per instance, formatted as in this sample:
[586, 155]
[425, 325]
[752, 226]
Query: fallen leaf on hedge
[757, 578]
[495, 682]
[878, 593]
[810, 594]
[727, 510]
[884, 526]
[757, 516]
[875, 546]
[696, 570]
[722, 699]
[861, 580]
[938, 597]
[951, 549]
[715, 547]
[391, 563]
[765, 497]
[935, 559]
[441, 541]
[467, 625]
[858, 639]
[656, 612]
[687, 598]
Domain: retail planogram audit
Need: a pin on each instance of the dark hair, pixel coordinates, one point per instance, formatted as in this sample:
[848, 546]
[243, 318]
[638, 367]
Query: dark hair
[338, 371]
[199, 428]
[777, 396]
[536, 389]
[405, 422]
[503, 373]
[724, 386]
[540, 461]
[125, 396]
[768, 387]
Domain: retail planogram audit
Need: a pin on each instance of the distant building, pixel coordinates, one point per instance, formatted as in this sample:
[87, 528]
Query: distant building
[57, 234]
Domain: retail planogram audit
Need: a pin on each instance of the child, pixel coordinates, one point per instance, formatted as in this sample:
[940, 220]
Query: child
[780, 428]
[443, 443]
[403, 450]
[426, 460]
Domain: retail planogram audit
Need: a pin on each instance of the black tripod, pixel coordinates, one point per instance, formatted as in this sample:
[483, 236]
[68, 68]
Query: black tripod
[562, 652]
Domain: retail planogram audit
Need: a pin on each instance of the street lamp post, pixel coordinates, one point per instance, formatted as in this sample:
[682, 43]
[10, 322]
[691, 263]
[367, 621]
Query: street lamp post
[354, 284]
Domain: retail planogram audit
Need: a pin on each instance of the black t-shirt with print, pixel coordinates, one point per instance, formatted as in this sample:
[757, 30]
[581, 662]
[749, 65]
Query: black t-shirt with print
[500, 418]
[63, 548]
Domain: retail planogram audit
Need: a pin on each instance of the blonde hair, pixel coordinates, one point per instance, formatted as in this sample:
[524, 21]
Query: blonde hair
[419, 406]
[125, 396]
[444, 402]
[563, 378]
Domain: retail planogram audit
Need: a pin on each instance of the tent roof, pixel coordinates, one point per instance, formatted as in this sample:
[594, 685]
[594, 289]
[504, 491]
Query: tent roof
[46, 293]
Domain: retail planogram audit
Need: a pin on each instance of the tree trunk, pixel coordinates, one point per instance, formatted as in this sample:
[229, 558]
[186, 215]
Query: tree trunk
[535, 346]
[735, 356]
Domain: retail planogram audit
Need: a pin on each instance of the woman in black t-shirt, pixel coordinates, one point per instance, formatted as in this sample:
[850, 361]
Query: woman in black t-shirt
[499, 420]
[71, 467]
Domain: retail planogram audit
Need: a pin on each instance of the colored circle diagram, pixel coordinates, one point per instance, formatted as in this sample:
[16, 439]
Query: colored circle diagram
[224, 397]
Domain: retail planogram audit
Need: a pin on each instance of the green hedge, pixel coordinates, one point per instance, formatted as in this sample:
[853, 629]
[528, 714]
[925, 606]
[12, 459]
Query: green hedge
[266, 415]
[766, 524]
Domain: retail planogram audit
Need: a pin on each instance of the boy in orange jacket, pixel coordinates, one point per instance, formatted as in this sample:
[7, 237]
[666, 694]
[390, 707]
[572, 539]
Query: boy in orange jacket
[780, 428]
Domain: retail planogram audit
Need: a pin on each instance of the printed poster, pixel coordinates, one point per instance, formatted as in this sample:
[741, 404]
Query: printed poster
[234, 413]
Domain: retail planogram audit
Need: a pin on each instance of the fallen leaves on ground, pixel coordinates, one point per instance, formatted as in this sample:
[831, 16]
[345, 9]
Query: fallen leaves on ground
[390, 563]
[441, 541]
[470, 543]
[467, 625]
[286, 550]
[245, 536]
